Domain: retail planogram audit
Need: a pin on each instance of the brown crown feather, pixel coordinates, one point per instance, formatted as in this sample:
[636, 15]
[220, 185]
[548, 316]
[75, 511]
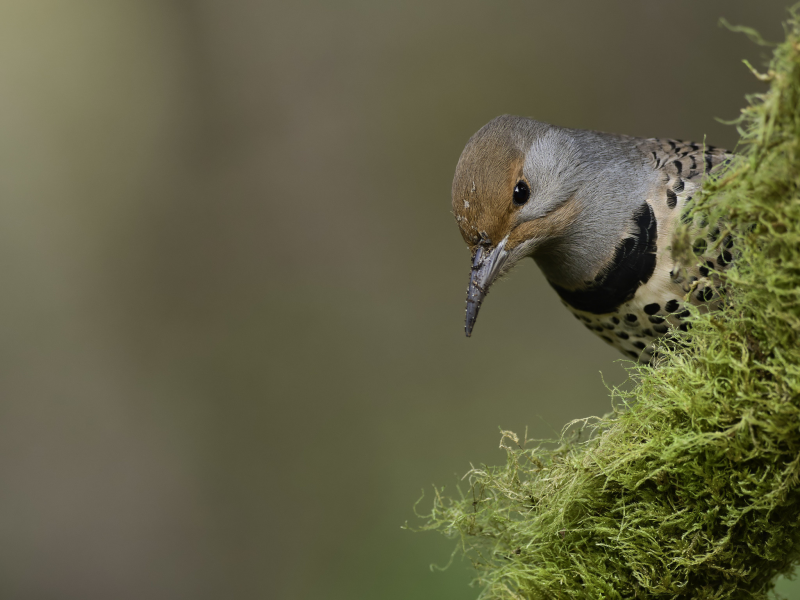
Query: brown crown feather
[487, 172]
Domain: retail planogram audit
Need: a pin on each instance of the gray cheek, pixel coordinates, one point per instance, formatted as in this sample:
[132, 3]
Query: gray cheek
[535, 208]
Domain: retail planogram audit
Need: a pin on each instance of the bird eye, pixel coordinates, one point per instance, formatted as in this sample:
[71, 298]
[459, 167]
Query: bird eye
[521, 193]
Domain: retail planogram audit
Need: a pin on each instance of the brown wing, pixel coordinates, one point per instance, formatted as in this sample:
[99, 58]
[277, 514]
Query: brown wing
[682, 162]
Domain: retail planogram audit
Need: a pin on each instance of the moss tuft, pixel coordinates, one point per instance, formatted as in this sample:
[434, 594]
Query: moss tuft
[691, 489]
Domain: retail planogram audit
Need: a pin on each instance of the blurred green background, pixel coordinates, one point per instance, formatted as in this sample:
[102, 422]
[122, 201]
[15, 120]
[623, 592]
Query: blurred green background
[233, 293]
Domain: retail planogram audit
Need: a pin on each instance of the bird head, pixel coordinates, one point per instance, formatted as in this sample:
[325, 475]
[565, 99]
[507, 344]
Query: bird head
[514, 195]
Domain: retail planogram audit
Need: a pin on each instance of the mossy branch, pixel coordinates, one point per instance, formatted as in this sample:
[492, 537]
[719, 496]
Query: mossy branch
[691, 489]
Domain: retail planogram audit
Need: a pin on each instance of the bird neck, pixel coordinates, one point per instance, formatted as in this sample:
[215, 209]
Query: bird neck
[613, 185]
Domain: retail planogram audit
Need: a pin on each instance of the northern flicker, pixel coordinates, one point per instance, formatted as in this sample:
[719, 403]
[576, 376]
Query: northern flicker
[597, 212]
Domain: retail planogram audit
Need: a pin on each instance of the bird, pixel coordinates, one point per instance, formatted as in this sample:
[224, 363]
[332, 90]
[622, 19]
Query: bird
[597, 212]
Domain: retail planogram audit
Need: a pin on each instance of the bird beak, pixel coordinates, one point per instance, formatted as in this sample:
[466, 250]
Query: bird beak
[485, 269]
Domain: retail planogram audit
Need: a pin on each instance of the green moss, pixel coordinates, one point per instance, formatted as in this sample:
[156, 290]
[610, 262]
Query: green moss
[691, 489]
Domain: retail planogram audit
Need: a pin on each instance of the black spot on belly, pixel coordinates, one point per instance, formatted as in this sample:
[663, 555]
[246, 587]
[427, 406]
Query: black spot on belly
[705, 295]
[633, 264]
[652, 309]
[724, 258]
[671, 306]
[699, 246]
[630, 318]
[672, 199]
[632, 354]
[615, 320]
[660, 328]
[639, 345]
[704, 271]
[656, 319]
[622, 335]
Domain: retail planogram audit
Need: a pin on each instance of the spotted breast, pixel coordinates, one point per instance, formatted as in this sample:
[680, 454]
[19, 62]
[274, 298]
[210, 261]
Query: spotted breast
[642, 293]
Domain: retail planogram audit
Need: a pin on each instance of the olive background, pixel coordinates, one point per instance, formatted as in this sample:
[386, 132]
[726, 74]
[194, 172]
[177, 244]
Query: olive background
[233, 292]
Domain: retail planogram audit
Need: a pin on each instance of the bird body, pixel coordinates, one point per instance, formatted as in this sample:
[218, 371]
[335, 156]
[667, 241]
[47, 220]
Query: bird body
[597, 212]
